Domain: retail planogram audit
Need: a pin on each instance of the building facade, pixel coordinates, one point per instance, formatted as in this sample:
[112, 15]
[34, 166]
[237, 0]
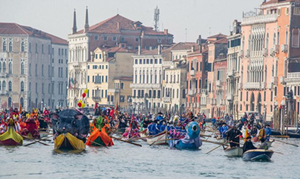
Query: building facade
[116, 31]
[26, 58]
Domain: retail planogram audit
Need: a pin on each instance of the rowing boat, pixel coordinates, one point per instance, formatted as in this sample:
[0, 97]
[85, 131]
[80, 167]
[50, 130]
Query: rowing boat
[67, 141]
[234, 152]
[258, 155]
[159, 139]
[10, 137]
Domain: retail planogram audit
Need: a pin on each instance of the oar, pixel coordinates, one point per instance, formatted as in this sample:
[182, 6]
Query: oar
[42, 143]
[212, 142]
[157, 139]
[31, 143]
[213, 149]
[97, 143]
[288, 143]
[278, 152]
[126, 141]
[280, 136]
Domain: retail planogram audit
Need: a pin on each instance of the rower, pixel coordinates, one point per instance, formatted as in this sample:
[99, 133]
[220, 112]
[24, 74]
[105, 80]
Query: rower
[268, 132]
[248, 145]
[233, 136]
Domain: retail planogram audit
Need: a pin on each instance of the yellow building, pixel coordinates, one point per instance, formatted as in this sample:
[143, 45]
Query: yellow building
[106, 64]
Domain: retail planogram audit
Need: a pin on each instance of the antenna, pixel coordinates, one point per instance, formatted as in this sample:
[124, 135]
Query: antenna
[156, 18]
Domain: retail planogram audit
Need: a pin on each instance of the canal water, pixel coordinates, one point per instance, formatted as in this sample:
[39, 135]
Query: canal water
[128, 161]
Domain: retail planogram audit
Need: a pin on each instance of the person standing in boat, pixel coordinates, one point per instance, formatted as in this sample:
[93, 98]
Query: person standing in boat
[262, 134]
[233, 136]
[268, 132]
[223, 129]
[248, 145]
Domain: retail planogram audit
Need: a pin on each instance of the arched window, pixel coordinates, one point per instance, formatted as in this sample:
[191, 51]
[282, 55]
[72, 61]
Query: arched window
[267, 41]
[22, 102]
[274, 39]
[9, 86]
[10, 68]
[22, 46]
[10, 45]
[4, 86]
[22, 86]
[4, 45]
[0, 67]
[4, 67]
[9, 101]
[22, 68]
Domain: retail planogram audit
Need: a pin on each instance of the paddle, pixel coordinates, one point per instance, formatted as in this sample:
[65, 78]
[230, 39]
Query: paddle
[157, 140]
[39, 141]
[43, 143]
[295, 145]
[31, 143]
[212, 142]
[213, 149]
[126, 141]
[280, 136]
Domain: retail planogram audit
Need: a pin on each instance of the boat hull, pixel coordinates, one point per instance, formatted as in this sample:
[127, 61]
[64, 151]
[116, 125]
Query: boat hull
[11, 138]
[159, 138]
[234, 152]
[258, 155]
[182, 146]
[68, 142]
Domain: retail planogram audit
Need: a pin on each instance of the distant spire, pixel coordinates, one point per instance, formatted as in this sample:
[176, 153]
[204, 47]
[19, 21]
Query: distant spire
[86, 26]
[74, 29]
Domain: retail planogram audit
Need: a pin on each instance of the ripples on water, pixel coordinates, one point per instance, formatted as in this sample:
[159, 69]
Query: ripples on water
[127, 161]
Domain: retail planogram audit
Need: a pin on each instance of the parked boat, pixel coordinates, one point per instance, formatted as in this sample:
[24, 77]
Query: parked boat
[234, 152]
[290, 134]
[67, 141]
[258, 155]
[159, 138]
[10, 137]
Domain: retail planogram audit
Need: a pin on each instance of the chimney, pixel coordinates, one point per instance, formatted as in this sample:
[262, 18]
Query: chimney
[199, 43]
[166, 31]
[86, 26]
[139, 50]
[192, 49]
[159, 49]
[74, 29]
[118, 25]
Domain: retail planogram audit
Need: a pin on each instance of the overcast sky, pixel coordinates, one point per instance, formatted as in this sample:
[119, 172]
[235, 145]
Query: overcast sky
[194, 17]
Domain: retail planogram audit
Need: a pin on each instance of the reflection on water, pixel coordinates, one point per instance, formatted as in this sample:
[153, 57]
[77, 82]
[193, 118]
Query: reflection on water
[128, 161]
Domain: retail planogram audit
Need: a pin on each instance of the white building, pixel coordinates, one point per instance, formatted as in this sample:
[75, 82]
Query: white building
[147, 80]
[25, 66]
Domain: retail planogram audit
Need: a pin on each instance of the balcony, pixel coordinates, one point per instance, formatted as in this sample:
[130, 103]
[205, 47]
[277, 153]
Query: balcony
[240, 86]
[230, 73]
[248, 53]
[284, 48]
[229, 97]
[265, 52]
[252, 85]
[167, 99]
[117, 90]
[241, 54]
[204, 91]
[259, 19]
[274, 50]
[96, 99]
[281, 80]
[3, 93]
[3, 75]
[192, 73]
[192, 92]
[145, 85]
[218, 83]
[270, 86]
[274, 80]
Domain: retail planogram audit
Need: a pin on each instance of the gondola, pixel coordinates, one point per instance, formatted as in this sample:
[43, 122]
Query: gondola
[67, 141]
[258, 155]
[234, 152]
[10, 137]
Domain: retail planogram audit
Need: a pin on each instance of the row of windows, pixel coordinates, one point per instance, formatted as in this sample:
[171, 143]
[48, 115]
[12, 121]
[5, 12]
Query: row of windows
[150, 94]
[98, 79]
[147, 61]
[172, 79]
[98, 67]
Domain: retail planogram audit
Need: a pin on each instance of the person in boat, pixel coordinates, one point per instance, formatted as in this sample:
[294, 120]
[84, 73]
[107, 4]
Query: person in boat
[162, 126]
[159, 116]
[248, 145]
[263, 144]
[223, 129]
[268, 132]
[262, 134]
[254, 131]
[233, 136]
[152, 128]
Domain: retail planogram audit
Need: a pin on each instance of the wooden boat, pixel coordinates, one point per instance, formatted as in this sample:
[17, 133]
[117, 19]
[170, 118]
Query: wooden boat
[258, 155]
[159, 138]
[10, 137]
[68, 142]
[234, 152]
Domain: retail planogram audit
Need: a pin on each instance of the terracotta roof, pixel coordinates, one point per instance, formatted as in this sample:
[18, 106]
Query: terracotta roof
[116, 24]
[218, 36]
[278, 1]
[183, 46]
[14, 28]
[221, 41]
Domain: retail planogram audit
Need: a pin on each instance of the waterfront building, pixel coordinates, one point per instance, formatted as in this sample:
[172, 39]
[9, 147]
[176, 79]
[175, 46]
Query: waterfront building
[106, 66]
[270, 42]
[30, 62]
[233, 70]
[116, 31]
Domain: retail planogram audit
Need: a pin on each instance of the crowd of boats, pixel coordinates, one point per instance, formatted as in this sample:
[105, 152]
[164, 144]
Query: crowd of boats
[72, 130]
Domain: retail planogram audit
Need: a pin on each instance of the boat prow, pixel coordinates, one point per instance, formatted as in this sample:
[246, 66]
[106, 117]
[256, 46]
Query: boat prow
[68, 142]
[258, 155]
[11, 138]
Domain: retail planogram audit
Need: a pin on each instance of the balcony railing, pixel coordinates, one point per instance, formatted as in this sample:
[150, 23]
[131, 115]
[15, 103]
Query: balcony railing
[259, 19]
[144, 85]
[254, 85]
[192, 72]
[192, 92]
[167, 99]
[274, 80]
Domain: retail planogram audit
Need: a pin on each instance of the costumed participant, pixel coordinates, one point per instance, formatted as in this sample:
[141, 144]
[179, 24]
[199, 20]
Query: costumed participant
[31, 129]
[233, 135]
[223, 129]
[253, 133]
[248, 145]
[262, 134]
[98, 135]
[268, 132]
[152, 128]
